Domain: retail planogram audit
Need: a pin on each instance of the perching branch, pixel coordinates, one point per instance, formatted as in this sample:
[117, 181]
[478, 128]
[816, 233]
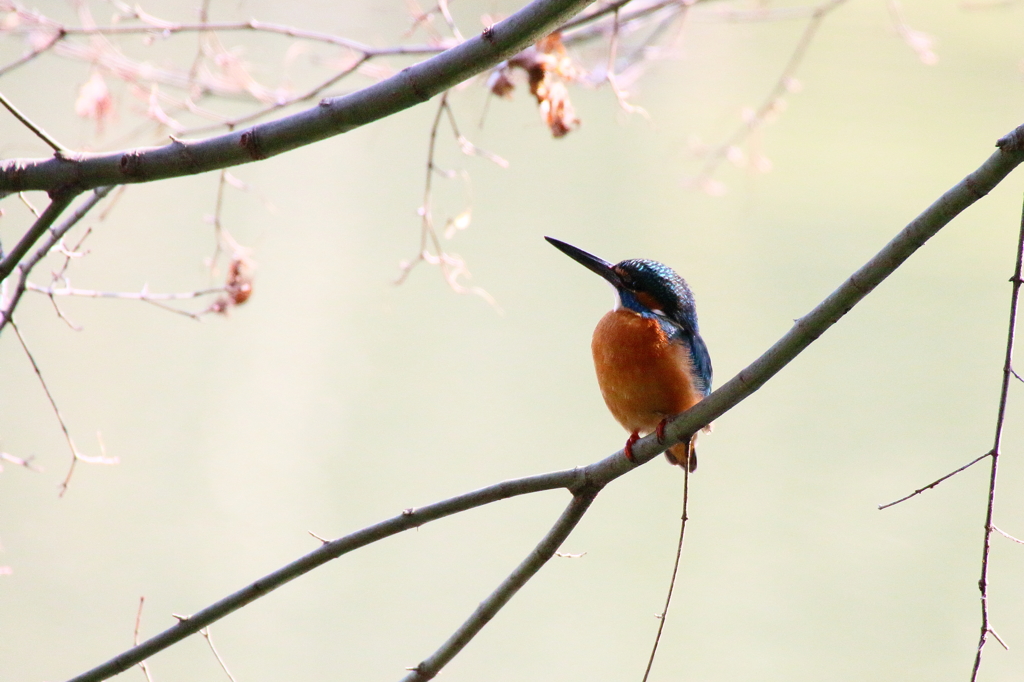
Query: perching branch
[332, 116]
[586, 482]
[1009, 155]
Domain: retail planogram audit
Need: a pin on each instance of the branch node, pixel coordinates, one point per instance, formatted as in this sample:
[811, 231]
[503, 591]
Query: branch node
[1013, 141]
[249, 141]
[131, 165]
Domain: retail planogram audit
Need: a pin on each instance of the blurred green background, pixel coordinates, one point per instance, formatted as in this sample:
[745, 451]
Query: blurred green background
[334, 399]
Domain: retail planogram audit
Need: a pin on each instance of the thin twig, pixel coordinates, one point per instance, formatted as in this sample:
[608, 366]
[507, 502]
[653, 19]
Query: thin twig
[997, 441]
[59, 275]
[1007, 535]
[34, 127]
[609, 75]
[24, 462]
[75, 456]
[135, 637]
[208, 636]
[143, 295]
[452, 267]
[258, 27]
[935, 483]
[442, 7]
[35, 52]
[771, 102]
[663, 616]
[232, 123]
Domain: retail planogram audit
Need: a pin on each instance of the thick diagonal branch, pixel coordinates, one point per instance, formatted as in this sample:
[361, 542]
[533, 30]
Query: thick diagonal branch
[330, 117]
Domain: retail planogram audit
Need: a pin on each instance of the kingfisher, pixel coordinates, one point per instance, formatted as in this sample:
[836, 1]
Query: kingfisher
[650, 359]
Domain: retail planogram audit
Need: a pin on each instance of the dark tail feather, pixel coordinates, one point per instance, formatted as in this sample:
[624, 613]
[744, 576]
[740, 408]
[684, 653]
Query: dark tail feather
[684, 454]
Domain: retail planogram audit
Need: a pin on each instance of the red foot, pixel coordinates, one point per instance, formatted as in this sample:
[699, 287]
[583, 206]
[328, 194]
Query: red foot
[628, 449]
[660, 430]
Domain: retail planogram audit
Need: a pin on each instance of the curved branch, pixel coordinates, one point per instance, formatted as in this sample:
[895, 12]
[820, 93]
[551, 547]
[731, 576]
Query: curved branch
[330, 117]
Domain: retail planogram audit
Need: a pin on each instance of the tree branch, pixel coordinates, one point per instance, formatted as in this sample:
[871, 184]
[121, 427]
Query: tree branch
[986, 626]
[330, 117]
[1009, 155]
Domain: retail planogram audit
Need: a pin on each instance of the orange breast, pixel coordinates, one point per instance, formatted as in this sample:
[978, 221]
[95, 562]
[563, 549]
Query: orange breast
[643, 376]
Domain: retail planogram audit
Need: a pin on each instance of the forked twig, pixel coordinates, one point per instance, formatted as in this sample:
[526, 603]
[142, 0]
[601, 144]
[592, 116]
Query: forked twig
[31, 125]
[135, 637]
[75, 454]
[208, 636]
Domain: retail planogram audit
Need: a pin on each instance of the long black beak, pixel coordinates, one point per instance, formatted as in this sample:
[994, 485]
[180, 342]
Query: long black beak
[589, 261]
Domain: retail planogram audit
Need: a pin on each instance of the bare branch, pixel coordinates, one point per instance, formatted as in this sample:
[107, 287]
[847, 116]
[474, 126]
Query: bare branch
[452, 266]
[1004, 393]
[1007, 535]
[331, 117]
[26, 462]
[208, 636]
[53, 404]
[28, 123]
[144, 295]
[135, 637]
[54, 39]
[1008, 155]
[771, 102]
[936, 482]
[663, 616]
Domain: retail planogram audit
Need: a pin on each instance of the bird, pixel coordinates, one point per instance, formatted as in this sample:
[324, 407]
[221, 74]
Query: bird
[650, 358]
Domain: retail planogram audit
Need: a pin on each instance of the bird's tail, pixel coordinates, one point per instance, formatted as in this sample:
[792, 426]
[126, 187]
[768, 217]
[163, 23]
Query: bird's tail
[684, 454]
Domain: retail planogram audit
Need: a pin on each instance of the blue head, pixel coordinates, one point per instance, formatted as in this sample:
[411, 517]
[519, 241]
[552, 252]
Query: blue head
[652, 289]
